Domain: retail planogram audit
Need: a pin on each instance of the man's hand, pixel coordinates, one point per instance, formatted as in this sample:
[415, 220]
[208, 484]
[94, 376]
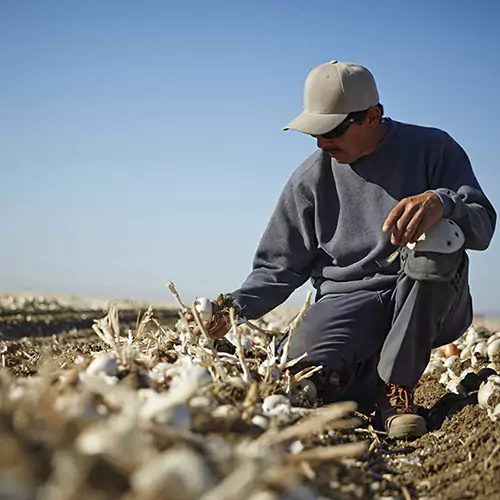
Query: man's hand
[412, 217]
[216, 328]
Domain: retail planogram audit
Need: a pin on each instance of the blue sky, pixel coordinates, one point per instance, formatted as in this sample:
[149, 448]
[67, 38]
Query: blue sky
[142, 142]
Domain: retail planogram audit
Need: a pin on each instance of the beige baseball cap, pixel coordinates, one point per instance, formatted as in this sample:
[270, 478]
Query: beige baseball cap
[332, 91]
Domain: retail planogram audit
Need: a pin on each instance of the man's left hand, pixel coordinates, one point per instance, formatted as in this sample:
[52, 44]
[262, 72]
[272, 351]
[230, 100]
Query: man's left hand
[412, 217]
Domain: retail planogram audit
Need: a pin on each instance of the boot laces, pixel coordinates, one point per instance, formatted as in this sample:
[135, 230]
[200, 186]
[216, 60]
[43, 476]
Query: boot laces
[400, 398]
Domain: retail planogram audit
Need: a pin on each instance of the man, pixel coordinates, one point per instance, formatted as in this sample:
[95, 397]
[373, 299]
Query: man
[374, 186]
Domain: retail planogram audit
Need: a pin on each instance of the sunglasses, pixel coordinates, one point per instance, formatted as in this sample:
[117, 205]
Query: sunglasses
[344, 126]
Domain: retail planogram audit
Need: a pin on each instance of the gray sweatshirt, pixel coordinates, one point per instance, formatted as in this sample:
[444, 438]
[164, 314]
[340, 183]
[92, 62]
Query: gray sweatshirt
[327, 225]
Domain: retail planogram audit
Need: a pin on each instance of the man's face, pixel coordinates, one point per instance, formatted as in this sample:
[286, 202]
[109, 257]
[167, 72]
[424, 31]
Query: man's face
[354, 142]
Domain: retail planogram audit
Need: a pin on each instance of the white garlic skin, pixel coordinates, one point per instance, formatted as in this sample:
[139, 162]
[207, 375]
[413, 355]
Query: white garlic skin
[480, 350]
[493, 347]
[495, 413]
[182, 467]
[449, 361]
[296, 447]
[204, 308]
[493, 337]
[276, 404]
[261, 422]
[226, 412]
[489, 392]
[471, 335]
[445, 378]
[200, 402]
[466, 352]
[434, 366]
[103, 365]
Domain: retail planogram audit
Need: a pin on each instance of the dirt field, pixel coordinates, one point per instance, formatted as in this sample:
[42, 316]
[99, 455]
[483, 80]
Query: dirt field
[459, 458]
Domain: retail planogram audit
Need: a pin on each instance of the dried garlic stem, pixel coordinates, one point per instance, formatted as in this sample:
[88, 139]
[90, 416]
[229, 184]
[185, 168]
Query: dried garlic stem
[293, 326]
[306, 373]
[293, 362]
[182, 314]
[177, 297]
[219, 367]
[327, 453]
[261, 330]
[238, 484]
[239, 347]
[313, 424]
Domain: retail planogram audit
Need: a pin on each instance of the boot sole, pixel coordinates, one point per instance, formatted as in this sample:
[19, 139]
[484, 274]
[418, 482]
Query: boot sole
[407, 431]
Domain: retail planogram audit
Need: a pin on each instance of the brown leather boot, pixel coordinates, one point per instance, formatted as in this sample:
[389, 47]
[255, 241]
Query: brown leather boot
[398, 413]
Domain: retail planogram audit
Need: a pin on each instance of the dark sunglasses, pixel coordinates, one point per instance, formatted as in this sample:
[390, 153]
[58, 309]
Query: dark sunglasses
[341, 129]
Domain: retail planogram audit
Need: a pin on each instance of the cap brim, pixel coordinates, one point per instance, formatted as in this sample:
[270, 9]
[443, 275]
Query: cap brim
[445, 236]
[315, 123]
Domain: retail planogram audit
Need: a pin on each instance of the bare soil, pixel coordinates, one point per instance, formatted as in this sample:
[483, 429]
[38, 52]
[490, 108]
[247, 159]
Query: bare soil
[458, 459]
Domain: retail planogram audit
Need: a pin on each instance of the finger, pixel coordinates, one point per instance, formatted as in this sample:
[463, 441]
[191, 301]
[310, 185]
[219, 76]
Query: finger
[220, 333]
[394, 215]
[409, 235]
[402, 223]
[419, 232]
[220, 329]
[430, 214]
[206, 325]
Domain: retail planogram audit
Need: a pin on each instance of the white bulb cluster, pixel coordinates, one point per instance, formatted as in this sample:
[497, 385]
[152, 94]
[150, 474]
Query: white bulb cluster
[455, 363]
[204, 308]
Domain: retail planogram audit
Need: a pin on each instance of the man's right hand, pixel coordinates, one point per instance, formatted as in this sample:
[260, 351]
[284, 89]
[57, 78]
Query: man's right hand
[217, 328]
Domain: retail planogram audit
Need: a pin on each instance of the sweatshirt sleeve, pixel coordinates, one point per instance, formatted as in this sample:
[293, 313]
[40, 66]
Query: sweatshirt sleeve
[463, 199]
[283, 260]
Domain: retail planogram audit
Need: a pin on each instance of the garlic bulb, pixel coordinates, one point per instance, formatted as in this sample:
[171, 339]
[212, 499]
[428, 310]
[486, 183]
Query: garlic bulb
[260, 421]
[276, 404]
[226, 412]
[182, 467]
[480, 350]
[450, 350]
[493, 337]
[495, 413]
[493, 347]
[466, 352]
[434, 366]
[449, 361]
[103, 364]
[204, 308]
[489, 392]
[445, 378]
[268, 367]
[200, 402]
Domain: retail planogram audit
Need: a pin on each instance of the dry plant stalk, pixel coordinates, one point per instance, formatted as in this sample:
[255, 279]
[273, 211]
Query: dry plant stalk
[219, 367]
[293, 326]
[252, 398]
[182, 314]
[257, 328]
[293, 362]
[326, 453]
[239, 347]
[306, 373]
[312, 424]
[236, 485]
[175, 294]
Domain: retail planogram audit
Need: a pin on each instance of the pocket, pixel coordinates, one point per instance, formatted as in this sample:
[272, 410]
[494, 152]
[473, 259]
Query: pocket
[431, 266]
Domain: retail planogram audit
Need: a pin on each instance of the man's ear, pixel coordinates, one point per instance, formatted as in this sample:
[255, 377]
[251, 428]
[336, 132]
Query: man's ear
[373, 116]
